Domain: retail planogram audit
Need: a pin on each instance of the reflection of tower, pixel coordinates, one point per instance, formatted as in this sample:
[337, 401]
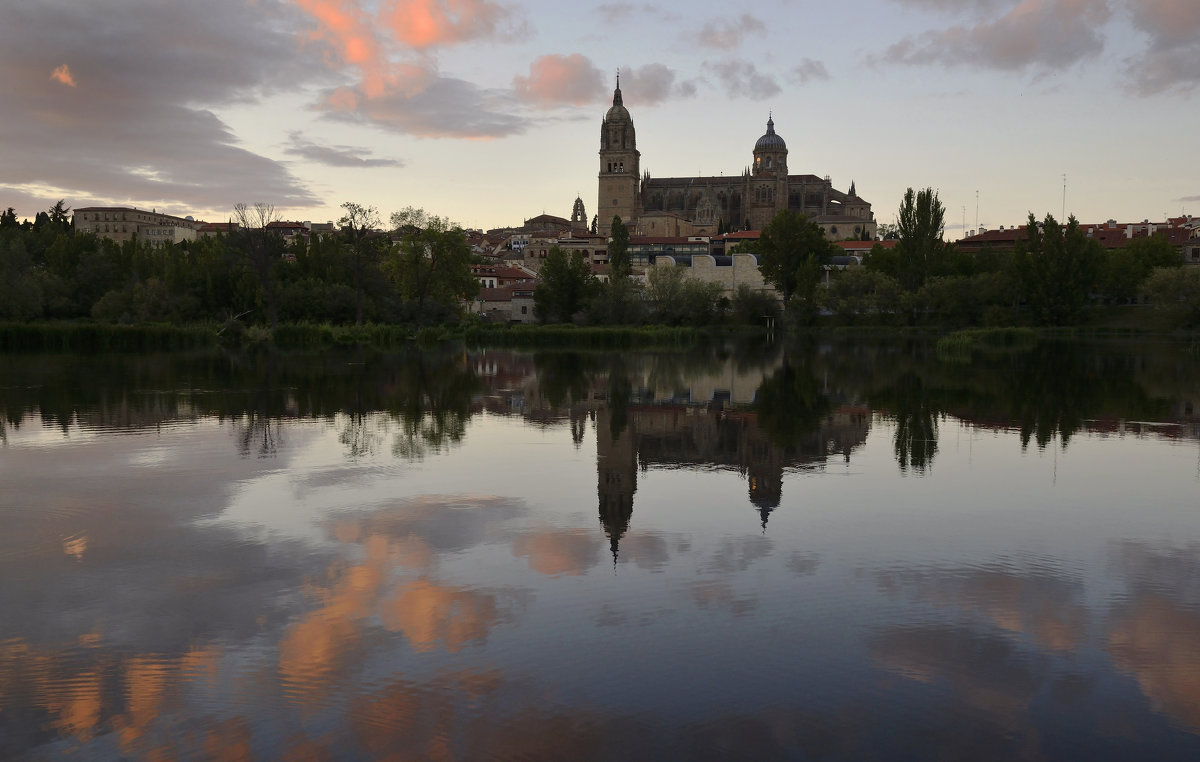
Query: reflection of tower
[616, 478]
[764, 466]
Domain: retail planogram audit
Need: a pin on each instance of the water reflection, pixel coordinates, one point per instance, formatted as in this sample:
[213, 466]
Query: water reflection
[360, 556]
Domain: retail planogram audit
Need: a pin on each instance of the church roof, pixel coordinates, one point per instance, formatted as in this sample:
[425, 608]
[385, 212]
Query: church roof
[770, 141]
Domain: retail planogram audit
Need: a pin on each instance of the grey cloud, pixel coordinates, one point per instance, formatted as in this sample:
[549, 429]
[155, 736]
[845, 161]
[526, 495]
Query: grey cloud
[1172, 57]
[653, 84]
[335, 155]
[728, 33]
[741, 79]
[1169, 23]
[955, 6]
[1040, 35]
[445, 108]
[808, 70]
[1188, 199]
[1158, 70]
[615, 13]
[136, 126]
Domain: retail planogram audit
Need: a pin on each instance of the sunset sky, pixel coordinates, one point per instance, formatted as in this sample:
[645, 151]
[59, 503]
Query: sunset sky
[489, 112]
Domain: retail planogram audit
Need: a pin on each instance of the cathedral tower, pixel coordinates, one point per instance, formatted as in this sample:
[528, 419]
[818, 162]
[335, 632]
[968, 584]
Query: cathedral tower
[619, 174]
[767, 190]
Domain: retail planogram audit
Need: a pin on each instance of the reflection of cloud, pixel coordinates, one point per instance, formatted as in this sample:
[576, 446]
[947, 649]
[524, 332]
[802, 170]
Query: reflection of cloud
[721, 595]
[985, 673]
[1172, 570]
[1159, 644]
[737, 555]
[435, 616]
[803, 564]
[559, 551]
[1040, 605]
[646, 551]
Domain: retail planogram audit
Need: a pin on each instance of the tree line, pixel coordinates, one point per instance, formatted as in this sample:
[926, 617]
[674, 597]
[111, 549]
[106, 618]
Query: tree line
[417, 271]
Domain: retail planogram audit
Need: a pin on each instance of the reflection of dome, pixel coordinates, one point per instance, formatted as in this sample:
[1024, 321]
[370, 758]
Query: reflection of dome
[769, 141]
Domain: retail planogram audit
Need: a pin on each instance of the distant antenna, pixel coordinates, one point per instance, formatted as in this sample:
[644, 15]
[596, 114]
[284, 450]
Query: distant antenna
[1064, 209]
[977, 211]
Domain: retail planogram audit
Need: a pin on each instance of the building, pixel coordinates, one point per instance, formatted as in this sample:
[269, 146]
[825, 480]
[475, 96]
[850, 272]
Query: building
[1183, 233]
[122, 223]
[704, 206]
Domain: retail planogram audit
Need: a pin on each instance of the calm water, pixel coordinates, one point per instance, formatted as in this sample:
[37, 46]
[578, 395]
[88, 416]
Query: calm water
[834, 551]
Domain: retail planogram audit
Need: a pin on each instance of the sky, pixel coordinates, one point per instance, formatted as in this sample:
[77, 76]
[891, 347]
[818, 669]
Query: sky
[488, 112]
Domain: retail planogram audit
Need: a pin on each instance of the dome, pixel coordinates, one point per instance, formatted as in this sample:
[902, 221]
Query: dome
[618, 110]
[770, 141]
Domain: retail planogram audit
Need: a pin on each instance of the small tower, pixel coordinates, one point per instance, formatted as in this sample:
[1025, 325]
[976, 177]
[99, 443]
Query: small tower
[770, 153]
[619, 160]
[579, 218]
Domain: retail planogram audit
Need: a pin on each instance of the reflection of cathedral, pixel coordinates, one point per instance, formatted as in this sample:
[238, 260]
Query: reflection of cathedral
[686, 206]
[678, 435]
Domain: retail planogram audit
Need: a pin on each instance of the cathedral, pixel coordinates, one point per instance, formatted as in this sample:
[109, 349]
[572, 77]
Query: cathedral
[705, 206]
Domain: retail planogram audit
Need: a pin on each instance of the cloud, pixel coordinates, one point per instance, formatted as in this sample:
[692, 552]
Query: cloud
[1170, 23]
[556, 80]
[1172, 57]
[955, 6]
[137, 127]
[335, 155]
[741, 79]
[807, 71]
[1039, 34]
[63, 74]
[445, 107]
[653, 84]
[425, 23]
[728, 33]
[616, 13]
[1188, 199]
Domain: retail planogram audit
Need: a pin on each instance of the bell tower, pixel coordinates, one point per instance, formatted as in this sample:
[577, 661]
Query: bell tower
[619, 173]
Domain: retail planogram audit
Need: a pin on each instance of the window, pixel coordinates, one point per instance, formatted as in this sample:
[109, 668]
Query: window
[524, 310]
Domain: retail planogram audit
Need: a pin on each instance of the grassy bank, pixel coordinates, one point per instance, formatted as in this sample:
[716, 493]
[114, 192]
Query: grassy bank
[102, 337]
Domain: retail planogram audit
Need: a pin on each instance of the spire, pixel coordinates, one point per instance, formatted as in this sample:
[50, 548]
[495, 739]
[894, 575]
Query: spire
[617, 92]
[852, 193]
[770, 123]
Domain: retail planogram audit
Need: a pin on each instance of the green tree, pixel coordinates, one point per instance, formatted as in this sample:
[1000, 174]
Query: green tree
[364, 244]
[1175, 292]
[1059, 267]
[432, 266]
[563, 287]
[619, 262]
[677, 299]
[920, 249]
[8, 220]
[261, 248]
[792, 255]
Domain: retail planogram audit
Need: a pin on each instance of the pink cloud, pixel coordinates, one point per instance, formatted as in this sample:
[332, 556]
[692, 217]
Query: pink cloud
[556, 80]
[424, 23]
[344, 24]
[63, 75]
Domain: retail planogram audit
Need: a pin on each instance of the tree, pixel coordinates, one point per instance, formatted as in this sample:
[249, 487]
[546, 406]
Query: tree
[260, 247]
[1059, 267]
[432, 266]
[8, 220]
[563, 287]
[677, 299]
[619, 262]
[364, 244]
[792, 254]
[920, 250]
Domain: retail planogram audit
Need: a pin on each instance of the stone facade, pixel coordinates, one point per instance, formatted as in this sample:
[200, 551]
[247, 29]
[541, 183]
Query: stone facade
[702, 206]
[122, 223]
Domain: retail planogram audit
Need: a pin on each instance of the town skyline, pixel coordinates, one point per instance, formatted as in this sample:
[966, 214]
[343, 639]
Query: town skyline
[487, 113]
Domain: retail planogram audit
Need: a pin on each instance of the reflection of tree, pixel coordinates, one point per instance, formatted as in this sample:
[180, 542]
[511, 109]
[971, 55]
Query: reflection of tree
[791, 404]
[916, 424]
[433, 403]
[563, 376]
[619, 391]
